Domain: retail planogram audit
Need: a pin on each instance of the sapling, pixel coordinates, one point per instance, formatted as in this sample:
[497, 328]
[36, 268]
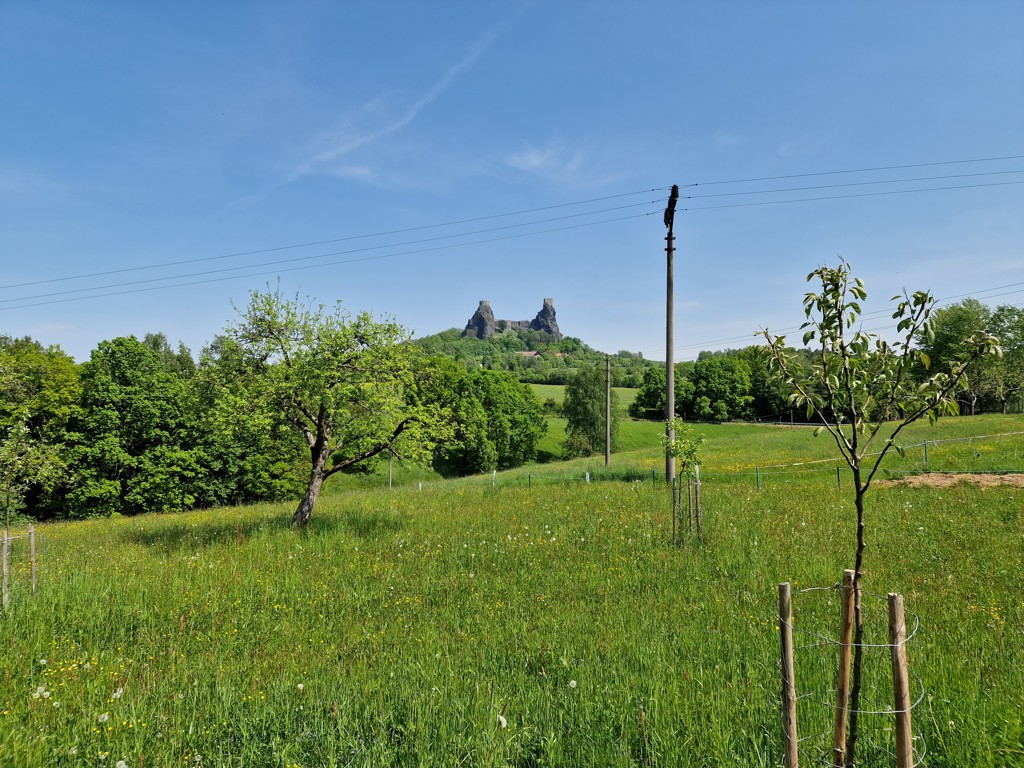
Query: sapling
[859, 388]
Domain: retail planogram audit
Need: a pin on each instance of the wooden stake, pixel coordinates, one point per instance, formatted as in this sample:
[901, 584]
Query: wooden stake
[900, 681]
[696, 502]
[6, 557]
[32, 554]
[843, 683]
[689, 504]
[790, 756]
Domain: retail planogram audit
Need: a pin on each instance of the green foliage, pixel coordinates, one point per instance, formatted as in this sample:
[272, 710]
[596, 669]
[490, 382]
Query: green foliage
[132, 451]
[584, 410]
[348, 385]
[497, 421]
[685, 446]
[555, 362]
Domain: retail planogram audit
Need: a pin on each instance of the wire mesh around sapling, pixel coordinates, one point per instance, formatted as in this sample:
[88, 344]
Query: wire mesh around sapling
[816, 625]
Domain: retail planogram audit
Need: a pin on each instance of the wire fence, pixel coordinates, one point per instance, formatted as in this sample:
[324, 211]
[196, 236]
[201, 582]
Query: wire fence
[994, 454]
[816, 664]
[19, 564]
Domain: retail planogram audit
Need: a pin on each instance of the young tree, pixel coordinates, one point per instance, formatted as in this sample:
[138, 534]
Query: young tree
[855, 379]
[347, 384]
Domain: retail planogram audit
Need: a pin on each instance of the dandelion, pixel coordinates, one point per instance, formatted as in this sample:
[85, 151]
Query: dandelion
[572, 683]
[42, 662]
[56, 705]
[73, 751]
[121, 764]
[301, 687]
[118, 693]
[104, 717]
[502, 721]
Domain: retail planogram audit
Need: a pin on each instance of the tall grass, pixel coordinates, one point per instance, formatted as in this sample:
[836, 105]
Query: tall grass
[510, 625]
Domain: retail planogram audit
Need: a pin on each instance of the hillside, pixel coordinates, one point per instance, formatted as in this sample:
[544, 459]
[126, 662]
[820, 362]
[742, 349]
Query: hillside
[535, 357]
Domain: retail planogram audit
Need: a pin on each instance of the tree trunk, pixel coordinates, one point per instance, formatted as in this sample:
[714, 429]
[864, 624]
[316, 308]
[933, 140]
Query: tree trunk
[858, 626]
[317, 475]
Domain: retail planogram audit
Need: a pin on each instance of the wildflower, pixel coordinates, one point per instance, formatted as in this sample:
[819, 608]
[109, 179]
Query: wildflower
[104, 717]
[73, 751]
[56, 705]
[502, 721]
[301, 687]
[118, 693]
[572, 683]
[42, 662]
[121, 764]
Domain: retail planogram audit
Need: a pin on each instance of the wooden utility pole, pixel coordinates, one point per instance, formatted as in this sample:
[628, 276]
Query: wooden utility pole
[607, 410]
[670, 369]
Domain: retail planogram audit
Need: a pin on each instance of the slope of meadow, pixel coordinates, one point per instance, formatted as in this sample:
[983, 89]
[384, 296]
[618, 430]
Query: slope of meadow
[519, 625]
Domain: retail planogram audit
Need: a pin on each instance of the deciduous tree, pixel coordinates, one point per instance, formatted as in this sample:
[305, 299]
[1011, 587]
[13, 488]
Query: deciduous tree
[347, 384]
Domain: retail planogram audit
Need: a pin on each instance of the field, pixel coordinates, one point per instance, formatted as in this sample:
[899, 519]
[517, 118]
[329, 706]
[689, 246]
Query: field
[527, 620]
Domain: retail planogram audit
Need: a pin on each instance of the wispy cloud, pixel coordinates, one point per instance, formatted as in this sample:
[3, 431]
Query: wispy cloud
[553, 160]
[373, 121]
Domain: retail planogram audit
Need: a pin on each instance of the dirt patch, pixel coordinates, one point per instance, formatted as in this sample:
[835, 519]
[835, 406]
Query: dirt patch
[944, 480]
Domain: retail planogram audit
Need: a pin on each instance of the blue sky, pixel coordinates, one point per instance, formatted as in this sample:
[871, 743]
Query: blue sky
[136, 135]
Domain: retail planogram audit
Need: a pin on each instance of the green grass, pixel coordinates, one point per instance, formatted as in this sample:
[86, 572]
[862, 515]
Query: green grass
[414, 621]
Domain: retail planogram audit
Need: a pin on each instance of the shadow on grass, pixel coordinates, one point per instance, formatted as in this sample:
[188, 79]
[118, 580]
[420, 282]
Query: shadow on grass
[174, 535]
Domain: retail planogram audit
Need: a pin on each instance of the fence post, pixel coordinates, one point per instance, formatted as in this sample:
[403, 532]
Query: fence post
[494, 478]
[839, 478]
[757, 477]
[588, 477]
[6, 557]
[900, 681]
[926, 455]
[843, 683]
[689, 503]
[529, 481]
[791, 755]
[32, 554]
[696, 501]
[676, 484]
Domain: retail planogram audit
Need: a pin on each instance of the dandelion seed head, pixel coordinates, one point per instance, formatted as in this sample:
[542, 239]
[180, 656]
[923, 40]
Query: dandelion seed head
[118, 693]
[104, 717]
[502, 721]
[572, 683]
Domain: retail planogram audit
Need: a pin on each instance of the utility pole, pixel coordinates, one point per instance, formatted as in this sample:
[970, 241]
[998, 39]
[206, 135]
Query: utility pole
[607, 410]
[670, 368]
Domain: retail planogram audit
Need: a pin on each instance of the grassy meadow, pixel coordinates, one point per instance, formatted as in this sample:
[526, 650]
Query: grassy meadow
[538, 621]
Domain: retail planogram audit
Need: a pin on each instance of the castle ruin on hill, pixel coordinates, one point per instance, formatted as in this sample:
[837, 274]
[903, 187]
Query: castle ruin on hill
[482, 324]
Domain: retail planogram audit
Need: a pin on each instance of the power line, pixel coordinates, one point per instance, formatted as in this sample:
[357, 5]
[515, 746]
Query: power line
[322, 255]
[859, 194]
[327, 242]
[274, 249]
[860, 170]
[852, 184]
[330, 264]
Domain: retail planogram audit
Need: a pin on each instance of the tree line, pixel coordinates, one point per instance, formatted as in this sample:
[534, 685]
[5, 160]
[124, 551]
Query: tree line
[738, 383]
[288, 395]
